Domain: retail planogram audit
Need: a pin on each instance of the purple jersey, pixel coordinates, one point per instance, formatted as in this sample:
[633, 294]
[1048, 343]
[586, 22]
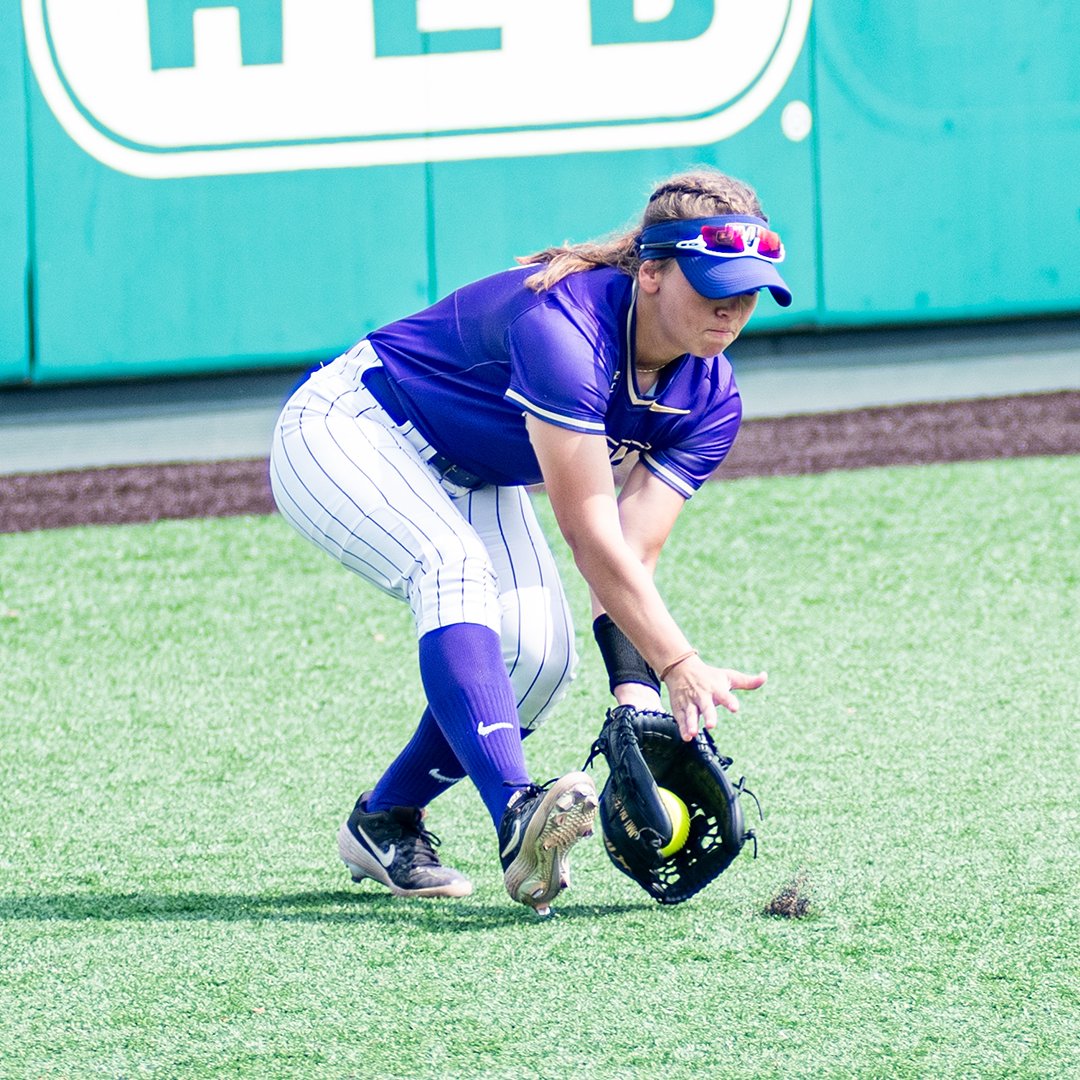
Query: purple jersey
[469, 367]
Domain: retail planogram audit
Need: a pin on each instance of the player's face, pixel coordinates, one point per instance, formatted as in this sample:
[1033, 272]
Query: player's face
[674, 318]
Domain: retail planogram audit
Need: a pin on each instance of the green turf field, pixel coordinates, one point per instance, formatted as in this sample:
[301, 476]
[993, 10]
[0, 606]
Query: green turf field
[189, 708]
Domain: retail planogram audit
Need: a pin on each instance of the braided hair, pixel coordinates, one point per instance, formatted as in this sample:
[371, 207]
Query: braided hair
[701, 192]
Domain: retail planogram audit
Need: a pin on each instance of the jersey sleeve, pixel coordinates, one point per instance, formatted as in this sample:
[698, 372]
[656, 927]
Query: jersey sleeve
[697, 451]
[560, 366]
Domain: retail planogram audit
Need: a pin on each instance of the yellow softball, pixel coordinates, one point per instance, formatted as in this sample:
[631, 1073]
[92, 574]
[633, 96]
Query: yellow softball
[680, 821]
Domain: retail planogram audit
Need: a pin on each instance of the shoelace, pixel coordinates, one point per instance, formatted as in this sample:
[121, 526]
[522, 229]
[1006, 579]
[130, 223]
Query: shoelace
[424, 843]
[531, 789]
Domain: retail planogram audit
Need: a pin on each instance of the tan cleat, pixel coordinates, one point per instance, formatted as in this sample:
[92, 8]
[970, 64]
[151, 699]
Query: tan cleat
[540, 826]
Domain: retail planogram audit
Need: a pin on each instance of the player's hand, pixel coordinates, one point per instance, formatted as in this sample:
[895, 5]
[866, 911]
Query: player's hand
[695, 689]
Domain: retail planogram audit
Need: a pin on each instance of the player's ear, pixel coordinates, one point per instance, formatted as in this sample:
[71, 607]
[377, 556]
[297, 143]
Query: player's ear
[649, 274]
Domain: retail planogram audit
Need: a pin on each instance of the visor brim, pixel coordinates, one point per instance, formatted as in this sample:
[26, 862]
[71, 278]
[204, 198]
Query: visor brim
[717, 278]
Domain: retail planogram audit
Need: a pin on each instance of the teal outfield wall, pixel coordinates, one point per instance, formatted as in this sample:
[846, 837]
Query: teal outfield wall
[196, 185]
[949, 159]
[15, 209]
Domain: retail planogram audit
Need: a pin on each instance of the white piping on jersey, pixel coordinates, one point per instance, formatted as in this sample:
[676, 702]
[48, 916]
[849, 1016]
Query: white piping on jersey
[547, 414]
[676, 481]
[631, 380]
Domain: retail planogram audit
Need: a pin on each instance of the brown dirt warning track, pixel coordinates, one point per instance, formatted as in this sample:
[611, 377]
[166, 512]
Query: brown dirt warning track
[1035, 424]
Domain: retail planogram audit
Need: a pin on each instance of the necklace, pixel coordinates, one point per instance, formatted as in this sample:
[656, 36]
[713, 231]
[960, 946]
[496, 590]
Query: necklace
[631, 364]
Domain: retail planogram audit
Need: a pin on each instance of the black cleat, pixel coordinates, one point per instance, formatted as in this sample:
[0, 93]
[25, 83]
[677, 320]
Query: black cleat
[393, 848]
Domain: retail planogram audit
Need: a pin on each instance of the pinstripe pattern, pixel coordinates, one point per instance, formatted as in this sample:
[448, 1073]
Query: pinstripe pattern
[355, 484]
[537, 629]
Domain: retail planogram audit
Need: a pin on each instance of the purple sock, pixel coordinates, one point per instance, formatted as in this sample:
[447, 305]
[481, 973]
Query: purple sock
[422, 771]
[425, 768]
[470, 696]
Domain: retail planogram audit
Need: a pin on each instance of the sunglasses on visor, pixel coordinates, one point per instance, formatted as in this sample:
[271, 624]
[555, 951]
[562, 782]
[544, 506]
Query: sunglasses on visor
[731, 241]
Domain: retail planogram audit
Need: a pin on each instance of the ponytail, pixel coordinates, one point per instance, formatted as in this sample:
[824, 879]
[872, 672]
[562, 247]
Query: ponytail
[702, 192]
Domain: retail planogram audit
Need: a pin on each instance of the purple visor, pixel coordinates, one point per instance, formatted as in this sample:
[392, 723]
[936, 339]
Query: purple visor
[721, 256]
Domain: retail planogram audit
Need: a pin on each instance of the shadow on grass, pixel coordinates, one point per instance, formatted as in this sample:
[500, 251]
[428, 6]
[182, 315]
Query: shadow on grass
[326, 906]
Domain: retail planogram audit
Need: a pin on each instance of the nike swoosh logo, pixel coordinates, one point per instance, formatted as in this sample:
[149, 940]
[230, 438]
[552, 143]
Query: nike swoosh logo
[436, 775]
[487, 729]
[385, 857]
[513, 839]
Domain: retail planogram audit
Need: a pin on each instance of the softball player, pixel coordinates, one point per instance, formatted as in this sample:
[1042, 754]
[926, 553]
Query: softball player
[407, 459]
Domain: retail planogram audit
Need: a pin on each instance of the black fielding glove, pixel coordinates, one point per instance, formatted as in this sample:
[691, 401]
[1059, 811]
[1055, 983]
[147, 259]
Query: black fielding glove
[644, 751]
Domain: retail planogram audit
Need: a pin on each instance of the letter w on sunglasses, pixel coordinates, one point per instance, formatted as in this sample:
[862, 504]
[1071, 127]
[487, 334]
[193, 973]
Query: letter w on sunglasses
[732, 241]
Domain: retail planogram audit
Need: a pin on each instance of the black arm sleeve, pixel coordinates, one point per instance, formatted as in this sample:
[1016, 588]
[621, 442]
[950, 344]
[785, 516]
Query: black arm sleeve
[623, 662]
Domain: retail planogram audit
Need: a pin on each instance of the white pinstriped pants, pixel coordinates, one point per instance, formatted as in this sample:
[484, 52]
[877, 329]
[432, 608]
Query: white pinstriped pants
[355, 484]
